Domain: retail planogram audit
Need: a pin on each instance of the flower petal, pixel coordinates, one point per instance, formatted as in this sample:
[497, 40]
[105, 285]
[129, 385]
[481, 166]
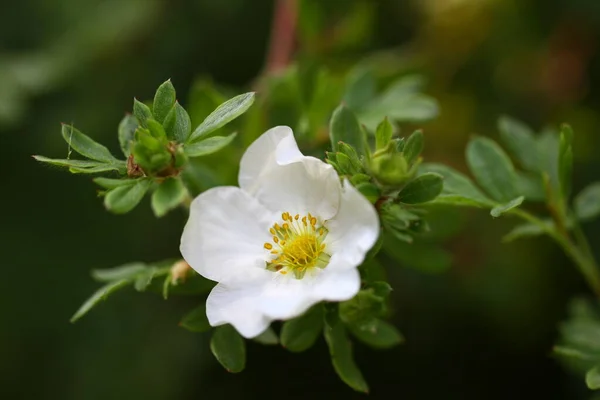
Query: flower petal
[286, 297]
[280, 177]
[238, 307]
[262, 154]
[354, 229]
[337, 285]
[224, 236]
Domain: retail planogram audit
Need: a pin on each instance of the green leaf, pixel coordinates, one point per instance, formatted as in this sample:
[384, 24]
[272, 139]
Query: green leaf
[123, 272]
[587, 202]
[208, 146]
[84, 166]
[85, 146]
[458, 189]
[520, 141]
[344, 127]
[127, 128]
[300, 333]
[524, 230]
[196, 320]
[573, 353]
[229, 348]
[592, 378]
[383, 134]
[178, 124]
[108, 183]
[501, 209]
[98, 296]
[380, 334]
[123, 199]
[340, 350]
[363, 308]
[225, 113]
[163, 101]
[531, 185]
[414, 146]
[268, 337]
[492, 168]
[141, 112]
[144, 279]
[401, 102]
[360, 88]
[169, 194]
[369, 190]
[422, 189]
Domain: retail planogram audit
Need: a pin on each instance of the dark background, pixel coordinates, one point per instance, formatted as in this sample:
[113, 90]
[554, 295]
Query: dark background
[482, 329]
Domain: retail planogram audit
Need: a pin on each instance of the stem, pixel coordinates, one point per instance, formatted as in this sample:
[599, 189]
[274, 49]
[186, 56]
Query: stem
[283, 35]
[579, 253]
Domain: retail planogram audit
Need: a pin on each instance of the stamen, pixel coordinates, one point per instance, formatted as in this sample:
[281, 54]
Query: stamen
[296, 247]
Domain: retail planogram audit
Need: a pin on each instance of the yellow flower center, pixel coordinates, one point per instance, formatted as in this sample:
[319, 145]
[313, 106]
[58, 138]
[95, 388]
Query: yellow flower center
[297, 245]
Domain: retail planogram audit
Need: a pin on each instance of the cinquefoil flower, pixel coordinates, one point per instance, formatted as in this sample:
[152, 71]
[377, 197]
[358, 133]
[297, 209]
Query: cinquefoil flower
[289, 237]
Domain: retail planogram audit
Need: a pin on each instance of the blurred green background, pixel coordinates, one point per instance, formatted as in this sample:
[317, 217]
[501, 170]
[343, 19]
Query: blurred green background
[479, 324]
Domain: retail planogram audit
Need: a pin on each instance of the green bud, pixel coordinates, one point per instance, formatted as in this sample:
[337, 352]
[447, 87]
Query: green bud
[180, 157]
[359, 178]
[390, 169]
[156, 130]
[352, 155]
[345, 165]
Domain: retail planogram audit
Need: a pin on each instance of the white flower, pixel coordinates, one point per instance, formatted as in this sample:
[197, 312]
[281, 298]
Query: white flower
[289, 237]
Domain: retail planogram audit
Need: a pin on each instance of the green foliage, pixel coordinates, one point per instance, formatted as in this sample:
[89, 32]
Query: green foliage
[587, 202]
[85, 146]
[458, 189]
[157, 144]
[345, 128]
[299, 334]
[501, 209]
[413, 146]
[492, 168]
[169, 194]
[225, 113]
[123, 199]
[164, 100]
[127, 128]
[422, 189]
[340, 350]
[383, 134]
[208, 146]
[379, 334]
[580, 340]
[402, 101]
[178, 124]
[520, 141]
[141, 112]
[229, 348]
[196, 320]
[267, 338]
[98, 296]
[362, 309]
